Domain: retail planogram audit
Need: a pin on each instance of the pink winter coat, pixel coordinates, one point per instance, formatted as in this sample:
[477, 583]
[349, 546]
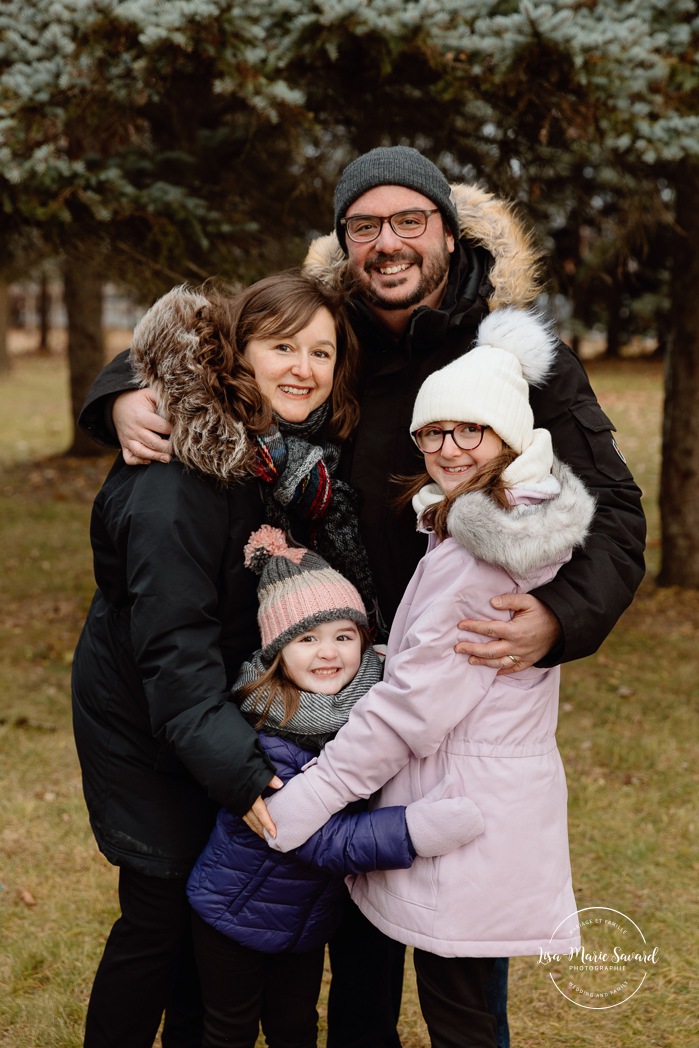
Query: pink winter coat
[509, 891]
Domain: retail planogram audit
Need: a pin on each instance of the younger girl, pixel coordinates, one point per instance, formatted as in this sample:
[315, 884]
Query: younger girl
[261, 918]
[503, 515]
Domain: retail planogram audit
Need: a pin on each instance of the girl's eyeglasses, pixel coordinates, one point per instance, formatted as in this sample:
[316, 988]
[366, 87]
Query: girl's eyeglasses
[467, 436]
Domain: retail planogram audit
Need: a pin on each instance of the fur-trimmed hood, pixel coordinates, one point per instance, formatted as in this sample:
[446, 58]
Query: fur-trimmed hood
[529, 537]
[181, 349]
[485, 220]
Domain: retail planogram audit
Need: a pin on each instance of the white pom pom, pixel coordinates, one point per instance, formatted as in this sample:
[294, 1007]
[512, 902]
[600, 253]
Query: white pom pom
[524, 333]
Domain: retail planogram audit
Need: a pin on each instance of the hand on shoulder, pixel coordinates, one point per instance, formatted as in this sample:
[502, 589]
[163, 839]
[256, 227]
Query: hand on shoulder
[516, 645]
[141, 431]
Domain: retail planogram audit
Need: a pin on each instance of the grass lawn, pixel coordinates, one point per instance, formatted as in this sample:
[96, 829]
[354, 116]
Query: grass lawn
[628, 738]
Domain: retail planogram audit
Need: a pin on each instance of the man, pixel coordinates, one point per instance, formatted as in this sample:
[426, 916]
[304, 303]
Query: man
[425, 263]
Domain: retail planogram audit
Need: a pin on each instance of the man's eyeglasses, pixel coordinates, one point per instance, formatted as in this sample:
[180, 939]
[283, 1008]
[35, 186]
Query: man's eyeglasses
[362, 229]
[467, 436]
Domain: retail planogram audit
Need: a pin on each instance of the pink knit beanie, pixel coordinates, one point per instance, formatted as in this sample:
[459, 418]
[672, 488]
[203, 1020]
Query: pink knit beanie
[297, 590]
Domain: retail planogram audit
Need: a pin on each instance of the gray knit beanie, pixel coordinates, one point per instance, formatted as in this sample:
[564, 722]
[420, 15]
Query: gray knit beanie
[394, 166]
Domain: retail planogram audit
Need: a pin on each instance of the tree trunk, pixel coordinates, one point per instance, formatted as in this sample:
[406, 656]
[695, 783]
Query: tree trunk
[5, 364]
[44, 310]
[679, 480]
[614, 318]
[82, 290]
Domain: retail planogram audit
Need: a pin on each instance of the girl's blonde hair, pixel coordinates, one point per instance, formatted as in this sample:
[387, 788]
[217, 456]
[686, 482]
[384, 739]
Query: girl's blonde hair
[486, 478]
[275, 683]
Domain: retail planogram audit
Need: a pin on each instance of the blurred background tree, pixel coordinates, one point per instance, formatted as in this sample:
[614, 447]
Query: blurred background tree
[153, 143]
[143, 142]
[610, 90]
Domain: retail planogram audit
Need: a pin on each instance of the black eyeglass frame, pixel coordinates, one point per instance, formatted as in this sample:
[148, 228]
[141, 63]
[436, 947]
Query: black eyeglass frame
[452, 433]
[389, 218]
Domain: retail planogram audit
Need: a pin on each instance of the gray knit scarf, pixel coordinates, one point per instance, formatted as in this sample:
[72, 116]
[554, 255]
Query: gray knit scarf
[318, 717]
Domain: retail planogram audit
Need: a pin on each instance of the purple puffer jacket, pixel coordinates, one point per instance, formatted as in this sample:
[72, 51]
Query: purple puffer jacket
[275, 902]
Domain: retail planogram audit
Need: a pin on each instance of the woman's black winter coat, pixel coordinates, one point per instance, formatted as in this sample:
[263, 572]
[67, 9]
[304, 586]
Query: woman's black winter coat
[160, 742]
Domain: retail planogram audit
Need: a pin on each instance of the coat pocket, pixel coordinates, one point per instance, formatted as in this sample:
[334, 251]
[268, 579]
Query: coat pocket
[597, 429]
[412, 893]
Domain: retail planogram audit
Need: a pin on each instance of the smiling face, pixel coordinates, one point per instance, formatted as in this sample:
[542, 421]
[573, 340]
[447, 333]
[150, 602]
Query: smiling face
[326, 658]
[451, 466]
[392, 273]
[295, 373]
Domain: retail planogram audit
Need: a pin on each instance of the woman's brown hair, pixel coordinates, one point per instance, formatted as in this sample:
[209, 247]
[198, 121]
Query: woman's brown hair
[486, 478]
[275, 683]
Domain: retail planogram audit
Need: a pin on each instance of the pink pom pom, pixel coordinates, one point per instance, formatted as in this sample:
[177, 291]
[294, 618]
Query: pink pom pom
[269, 542]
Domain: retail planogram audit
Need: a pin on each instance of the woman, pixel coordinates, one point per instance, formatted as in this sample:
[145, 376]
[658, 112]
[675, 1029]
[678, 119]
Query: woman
[247, 383]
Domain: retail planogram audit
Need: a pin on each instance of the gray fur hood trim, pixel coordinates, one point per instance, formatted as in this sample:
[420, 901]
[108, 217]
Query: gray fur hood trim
[485, 220]
[178, 350]
[527, 538]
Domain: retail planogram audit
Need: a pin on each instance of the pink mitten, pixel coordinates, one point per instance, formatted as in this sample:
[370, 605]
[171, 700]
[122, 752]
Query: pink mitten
[297, 812]
[438, 824]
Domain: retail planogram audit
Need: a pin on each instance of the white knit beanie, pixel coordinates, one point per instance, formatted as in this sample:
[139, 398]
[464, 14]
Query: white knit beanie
[514, 349]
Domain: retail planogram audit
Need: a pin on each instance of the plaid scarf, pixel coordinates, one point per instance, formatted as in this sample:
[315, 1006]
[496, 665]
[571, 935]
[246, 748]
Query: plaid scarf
[299, 487]
[299, 472]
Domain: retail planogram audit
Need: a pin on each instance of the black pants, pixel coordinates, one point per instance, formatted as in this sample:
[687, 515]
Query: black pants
[453, 1000]
[367, 982]
[364, 1002]
[244, 988]
[147, 969]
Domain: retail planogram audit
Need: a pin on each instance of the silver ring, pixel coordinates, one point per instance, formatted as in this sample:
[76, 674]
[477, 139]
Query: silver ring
[513, 659]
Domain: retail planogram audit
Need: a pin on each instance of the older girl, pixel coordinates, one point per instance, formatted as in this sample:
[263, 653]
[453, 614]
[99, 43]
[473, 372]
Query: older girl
[502, 516]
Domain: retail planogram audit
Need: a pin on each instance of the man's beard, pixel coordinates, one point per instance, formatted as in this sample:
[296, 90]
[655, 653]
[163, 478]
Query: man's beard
[432, 273]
